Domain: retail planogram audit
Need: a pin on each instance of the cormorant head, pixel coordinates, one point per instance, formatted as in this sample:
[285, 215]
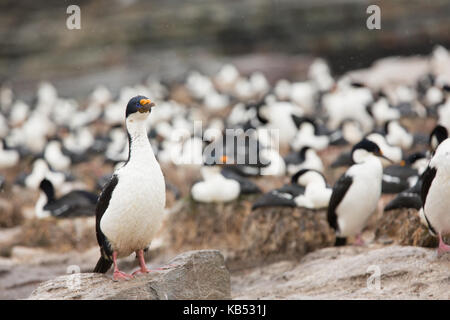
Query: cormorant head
[139, 107]
[47, 187]
[413, 158]
[365, 148]
[438, 135]
[306, 176]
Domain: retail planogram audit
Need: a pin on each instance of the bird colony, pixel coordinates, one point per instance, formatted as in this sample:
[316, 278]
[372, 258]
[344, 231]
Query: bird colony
[335, 143]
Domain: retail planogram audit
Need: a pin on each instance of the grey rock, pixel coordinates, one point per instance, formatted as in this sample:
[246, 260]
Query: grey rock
[190, 275]
[275, 234]
[350, 273]
[403, 226]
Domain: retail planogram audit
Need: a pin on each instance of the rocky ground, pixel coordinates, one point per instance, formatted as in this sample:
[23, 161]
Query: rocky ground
[350, 273]
[280, 259]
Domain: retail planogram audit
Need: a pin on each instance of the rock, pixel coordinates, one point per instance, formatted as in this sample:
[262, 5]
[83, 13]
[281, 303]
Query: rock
[403, 226]
[344, 273]
[195, 275]
[194, 225]
[247, 238]
[59, 234]
[9, 215]
[9, 237]
[273, 234]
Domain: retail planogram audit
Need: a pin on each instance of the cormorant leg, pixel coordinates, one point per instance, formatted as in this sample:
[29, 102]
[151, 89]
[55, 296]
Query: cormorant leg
[119, 275]
[143, 269]
[169, 266]
[359, 241]
[443, 248]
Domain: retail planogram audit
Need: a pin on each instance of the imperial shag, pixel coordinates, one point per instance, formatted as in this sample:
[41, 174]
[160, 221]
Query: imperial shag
[131, 206]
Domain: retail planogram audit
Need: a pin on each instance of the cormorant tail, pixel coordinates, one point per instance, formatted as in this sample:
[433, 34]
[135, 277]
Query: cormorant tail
[340, 242]
[102, 265]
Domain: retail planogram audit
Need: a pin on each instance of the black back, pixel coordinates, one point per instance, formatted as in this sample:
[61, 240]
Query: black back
[427, 179]
[247, 186]
[339, 190]
[102, 205]
[440, 132]
[281, 197]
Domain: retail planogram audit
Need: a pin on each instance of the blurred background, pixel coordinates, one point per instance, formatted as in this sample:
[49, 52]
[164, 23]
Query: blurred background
[121, 41]
[229, 64]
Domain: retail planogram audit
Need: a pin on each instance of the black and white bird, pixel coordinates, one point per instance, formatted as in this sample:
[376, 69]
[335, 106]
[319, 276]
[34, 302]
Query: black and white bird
[131, 206]
[317, 193]
[438, 135]
[215, 186]
[280, 197]
[407, 199]
[355, 195]
[73, 204]
[306, 158]
[399, 177]
[411, 198]
[436, 194]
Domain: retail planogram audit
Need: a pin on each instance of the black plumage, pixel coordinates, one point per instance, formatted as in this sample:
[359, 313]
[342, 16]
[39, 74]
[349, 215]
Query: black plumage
[296, 157]
[343, 160]
[407, 199]
[247, 186]
[339, 190]
[73, 204]
[281, 197]
[105, 261]
[427, 180]
[395, 178]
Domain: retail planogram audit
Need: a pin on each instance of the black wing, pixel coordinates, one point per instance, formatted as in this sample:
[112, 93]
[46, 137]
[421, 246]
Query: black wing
[343, 160]
[247, 186]
[282, 197]
[73, 204]
[274, 198]
[102, 204]
[339, 190]
[399, 171]
[405, 200]
[427, 179]
[294, 189]
[293, 158]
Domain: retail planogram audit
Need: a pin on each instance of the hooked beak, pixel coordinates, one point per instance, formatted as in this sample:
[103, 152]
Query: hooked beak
[146, 104]
[381, 155]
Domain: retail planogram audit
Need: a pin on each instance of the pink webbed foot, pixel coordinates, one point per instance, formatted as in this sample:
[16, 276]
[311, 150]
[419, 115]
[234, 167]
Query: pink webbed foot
[359, 241]
[141, 271]
[119, 275]
[169, 266]
[443, 248]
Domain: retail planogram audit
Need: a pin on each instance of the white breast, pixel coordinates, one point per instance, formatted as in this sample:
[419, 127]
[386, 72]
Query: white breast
[361, 199]
[216, 189]
[437, 204]
[136, 208]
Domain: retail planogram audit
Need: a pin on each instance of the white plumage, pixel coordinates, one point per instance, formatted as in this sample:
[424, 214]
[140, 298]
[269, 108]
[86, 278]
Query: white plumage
[437, 202]
[136, 208]
[361, 199]
[215, 187]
